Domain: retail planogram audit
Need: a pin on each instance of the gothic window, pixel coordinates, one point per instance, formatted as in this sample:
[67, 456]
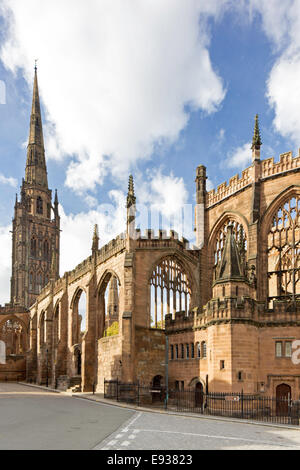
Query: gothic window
[39, 205]
[39, 282]
[33, 247]
[13, 335]
[203, 349]
[46, 251]
[170, 290]
[49, 211]
[198, 348]
[192, 350]
[56, 326]
[31, 282]
[79, 316]
[42, 329]
[284, 251]
[240, 236]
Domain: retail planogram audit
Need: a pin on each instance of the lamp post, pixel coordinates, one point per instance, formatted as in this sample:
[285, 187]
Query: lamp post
[47, 368]
[167, 372]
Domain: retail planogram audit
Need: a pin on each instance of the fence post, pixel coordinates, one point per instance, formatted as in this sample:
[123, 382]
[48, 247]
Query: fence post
[138, 393]
[117, 390]
[242, 404]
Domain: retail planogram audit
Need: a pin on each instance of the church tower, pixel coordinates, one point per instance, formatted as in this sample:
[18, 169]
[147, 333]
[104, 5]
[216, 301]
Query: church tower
[36, 223]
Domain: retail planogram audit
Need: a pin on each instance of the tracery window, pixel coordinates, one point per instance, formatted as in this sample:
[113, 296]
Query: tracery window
[39, 205]
[39, 282]
[13, 335]
[240, 236]
[284, 251]
[46, 251]
[170, 290]
[33, 247]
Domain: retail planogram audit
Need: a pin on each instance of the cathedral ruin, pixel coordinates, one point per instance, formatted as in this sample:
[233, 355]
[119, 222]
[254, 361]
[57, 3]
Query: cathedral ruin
[229, 307]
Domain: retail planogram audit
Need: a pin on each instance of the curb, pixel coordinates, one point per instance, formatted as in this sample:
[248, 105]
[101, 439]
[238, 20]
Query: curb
[105, 401]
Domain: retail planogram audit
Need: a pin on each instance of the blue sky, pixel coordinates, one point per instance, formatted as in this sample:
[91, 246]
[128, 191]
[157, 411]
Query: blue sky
[141, 87]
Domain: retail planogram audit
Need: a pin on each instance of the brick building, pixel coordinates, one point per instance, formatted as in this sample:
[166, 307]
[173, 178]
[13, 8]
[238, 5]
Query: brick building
[230, 306]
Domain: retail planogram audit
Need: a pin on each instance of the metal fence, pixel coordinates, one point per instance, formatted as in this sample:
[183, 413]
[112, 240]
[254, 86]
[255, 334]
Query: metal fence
[233, 405]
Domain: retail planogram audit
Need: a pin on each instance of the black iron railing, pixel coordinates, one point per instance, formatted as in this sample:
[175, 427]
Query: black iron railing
[234, 405]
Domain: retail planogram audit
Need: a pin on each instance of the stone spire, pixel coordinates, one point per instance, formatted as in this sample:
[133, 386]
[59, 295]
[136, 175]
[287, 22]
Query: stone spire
[36, 171]
[256, 141]
[230, 268]
[131, 212]
[131, 199]
[95, 245]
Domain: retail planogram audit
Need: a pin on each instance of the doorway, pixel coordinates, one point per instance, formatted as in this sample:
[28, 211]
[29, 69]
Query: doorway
[283, 396]
[198, 395]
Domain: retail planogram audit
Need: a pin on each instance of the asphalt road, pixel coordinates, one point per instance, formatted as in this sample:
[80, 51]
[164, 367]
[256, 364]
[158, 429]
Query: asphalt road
[35, 419]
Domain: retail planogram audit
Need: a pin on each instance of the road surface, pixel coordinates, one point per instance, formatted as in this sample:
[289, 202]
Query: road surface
[35, 419]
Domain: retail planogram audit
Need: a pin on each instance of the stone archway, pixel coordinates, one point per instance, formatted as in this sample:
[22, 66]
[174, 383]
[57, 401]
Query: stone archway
[157, 389]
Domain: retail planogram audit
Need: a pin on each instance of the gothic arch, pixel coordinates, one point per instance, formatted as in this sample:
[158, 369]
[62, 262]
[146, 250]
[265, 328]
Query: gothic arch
[228, 215]
[103, 319]
[170, 288]
[77, 322]
[56, 323]
[108, 273]
[42, 328]
[217, 236]
[181, 260]
[196, 380]
[14, 333]
[280, 245]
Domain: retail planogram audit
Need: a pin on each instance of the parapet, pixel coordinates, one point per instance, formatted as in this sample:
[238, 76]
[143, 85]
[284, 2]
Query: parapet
[268, 168]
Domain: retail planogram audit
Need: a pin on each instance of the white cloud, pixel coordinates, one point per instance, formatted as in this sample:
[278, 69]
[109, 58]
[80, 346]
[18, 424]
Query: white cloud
[77, 229]
[239, 157]
[115, 77]
[5, 263]
[8, 180]
[281, 23]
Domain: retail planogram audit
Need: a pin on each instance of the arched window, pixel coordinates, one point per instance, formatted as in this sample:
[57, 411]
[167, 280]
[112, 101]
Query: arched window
[33, 247]
[42, 329]
[56, 326]
[284, 251]
[46, 251]
[240, 236]
[203, 350]
[39, 205]
[108, 301]
[170, 290]
[79, 316]
[198, 349]
[13, 335]
[39, 283]
[31, 282]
